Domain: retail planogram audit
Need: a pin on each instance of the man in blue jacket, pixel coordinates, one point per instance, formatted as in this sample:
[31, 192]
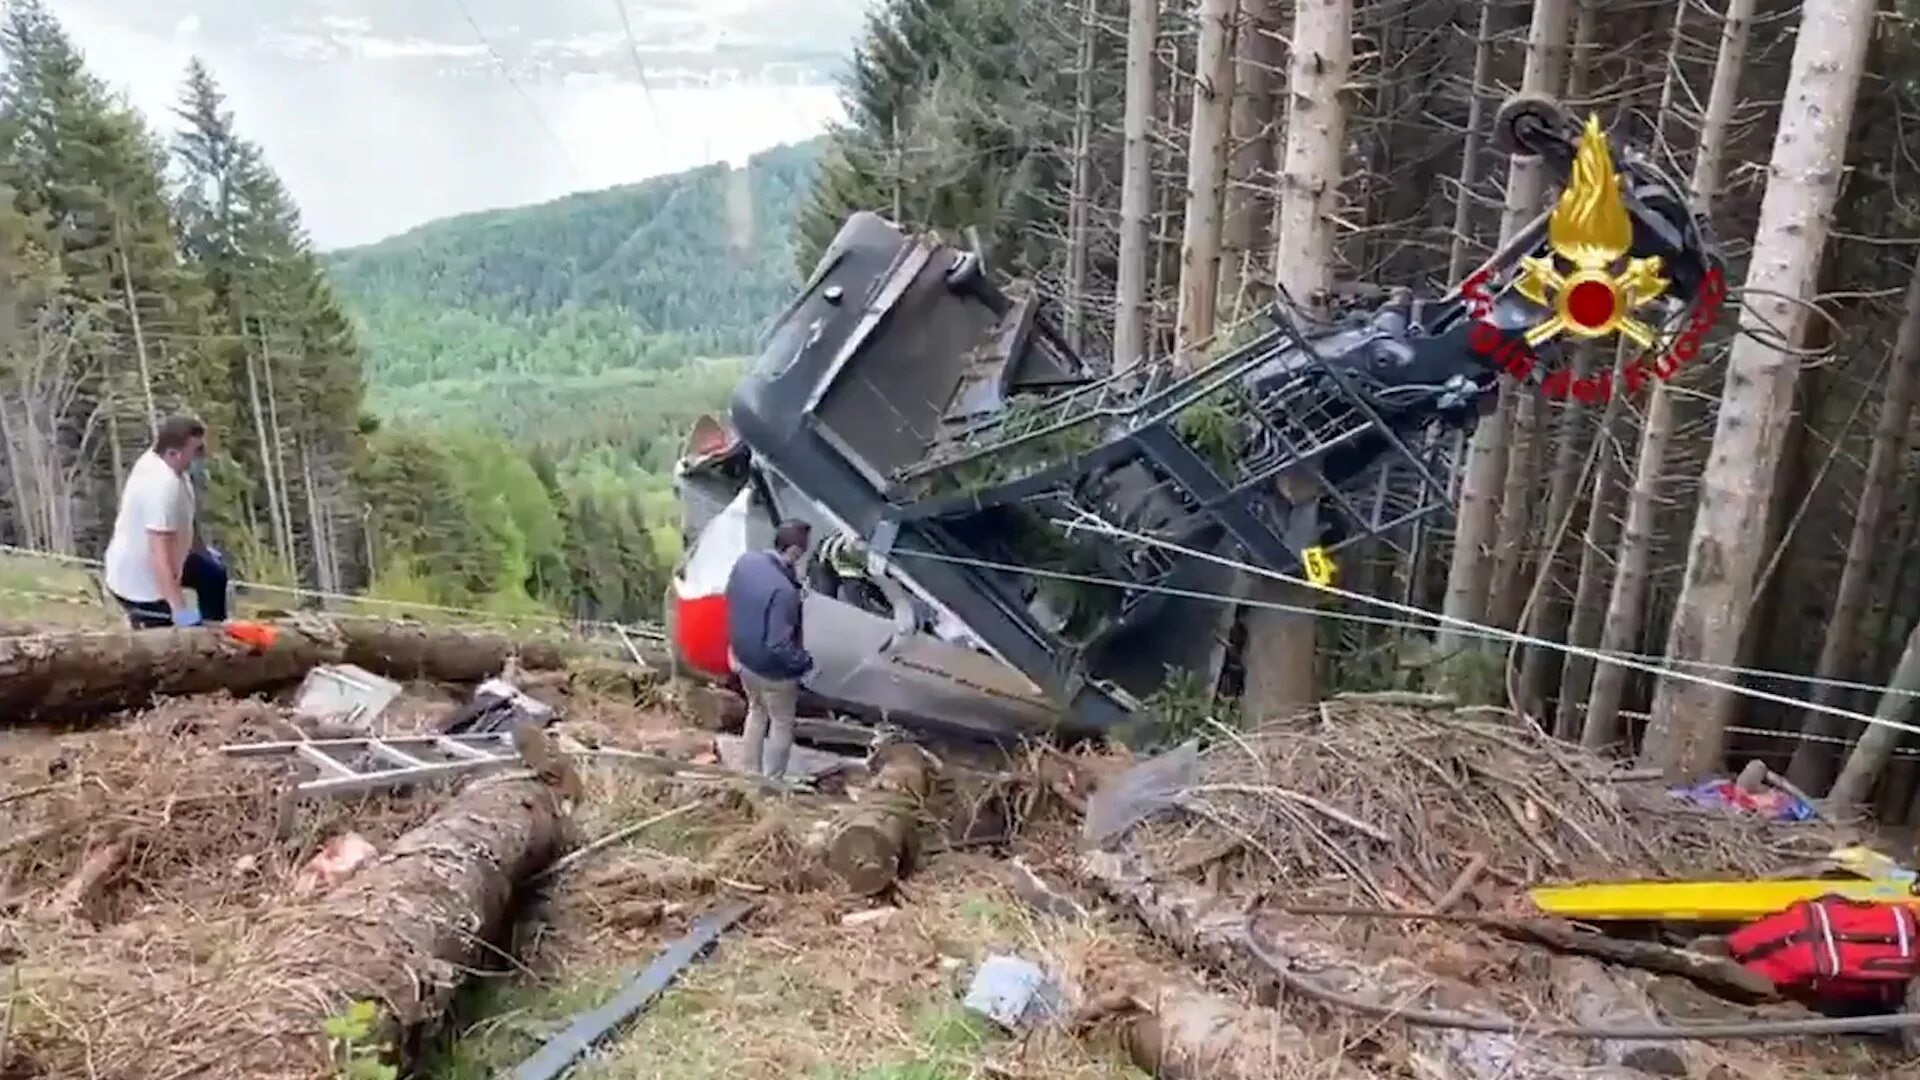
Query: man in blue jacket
[768, 649]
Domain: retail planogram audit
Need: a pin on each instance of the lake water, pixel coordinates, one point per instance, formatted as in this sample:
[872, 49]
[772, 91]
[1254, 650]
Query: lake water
[370, 148]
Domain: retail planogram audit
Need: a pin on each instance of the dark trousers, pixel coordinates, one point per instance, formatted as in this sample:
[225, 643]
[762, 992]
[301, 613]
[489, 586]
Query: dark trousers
[208, 580]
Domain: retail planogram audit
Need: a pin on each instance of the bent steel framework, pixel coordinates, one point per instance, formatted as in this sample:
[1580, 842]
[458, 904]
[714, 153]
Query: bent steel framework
[906, 401]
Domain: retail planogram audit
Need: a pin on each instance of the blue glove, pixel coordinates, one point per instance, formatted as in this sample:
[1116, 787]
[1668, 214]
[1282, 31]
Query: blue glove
[186, 617]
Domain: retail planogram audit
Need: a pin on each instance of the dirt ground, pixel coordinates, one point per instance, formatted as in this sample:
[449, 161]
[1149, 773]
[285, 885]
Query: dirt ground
[799, 989]
[136, 860]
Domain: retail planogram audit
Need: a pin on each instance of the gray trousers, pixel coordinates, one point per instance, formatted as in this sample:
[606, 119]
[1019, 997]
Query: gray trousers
[769, 732]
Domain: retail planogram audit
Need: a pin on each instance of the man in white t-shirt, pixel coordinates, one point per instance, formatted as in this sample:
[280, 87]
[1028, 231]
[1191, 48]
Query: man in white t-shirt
[151, 558]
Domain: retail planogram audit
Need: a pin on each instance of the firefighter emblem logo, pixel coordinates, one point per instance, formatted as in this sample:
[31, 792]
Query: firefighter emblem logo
[1588, 233]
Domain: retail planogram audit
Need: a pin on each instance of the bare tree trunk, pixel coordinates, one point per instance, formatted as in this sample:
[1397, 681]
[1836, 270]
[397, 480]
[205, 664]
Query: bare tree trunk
[1687, 733]
[1517, 526]
[1460, 250]
[17, 481]
[1257, 80]
[139, 333]
[1813, 759]
[316, 525]
[1080, 196]
[1876, 744]
[1206, 168]
[1136, 188]
[1626, 605]
[276, 456]
[281, 543]
[1471, 570]
[1280, 645]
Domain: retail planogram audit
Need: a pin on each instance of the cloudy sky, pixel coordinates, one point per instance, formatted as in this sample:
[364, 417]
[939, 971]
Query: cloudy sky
[382, 114]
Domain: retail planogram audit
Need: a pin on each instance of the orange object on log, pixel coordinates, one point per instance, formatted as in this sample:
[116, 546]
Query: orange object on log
[255, 634]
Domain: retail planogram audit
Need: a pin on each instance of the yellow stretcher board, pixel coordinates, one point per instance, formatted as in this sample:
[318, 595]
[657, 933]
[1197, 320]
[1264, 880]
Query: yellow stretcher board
[1706, 901]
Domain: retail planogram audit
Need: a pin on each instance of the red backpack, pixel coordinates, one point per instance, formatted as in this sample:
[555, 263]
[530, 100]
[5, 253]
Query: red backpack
[1834, 948]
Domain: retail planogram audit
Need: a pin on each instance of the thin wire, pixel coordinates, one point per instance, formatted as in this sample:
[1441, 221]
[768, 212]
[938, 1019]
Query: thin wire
[525, 98]
[1097, 526]
[1378, 620]
[640, 71]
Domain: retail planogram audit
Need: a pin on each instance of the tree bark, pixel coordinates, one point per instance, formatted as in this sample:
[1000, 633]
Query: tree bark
[83, 675]
[1136, 188]
[1188, 1033]
[1470, 572]
[1259, 53]
[873, 842]
[1813, 758]
[1626, 603]
[1686, 735]
[402, 932]
[1871, 753]
[450, 654]
[1080, 195]
[1206, 168]
[1217, 931]
[1280, 645]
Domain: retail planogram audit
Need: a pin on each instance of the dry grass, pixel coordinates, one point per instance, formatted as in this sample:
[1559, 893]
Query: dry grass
[1385, 805]
[796, 993]
[193, 828]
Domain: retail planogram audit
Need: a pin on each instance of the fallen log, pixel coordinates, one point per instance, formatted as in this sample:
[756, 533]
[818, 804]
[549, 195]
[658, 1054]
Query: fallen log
[74, 676]
[873, 841]
[401, 933]
[1597, 998]
[447, 653]
[1211, 929]
[1176, 1030]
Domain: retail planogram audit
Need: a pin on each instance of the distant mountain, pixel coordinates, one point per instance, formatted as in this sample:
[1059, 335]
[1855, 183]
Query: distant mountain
[651, 275]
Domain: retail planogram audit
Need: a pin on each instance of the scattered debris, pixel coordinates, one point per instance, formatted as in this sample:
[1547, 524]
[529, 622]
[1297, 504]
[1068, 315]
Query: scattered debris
[339, 857]
[498, 705]
[559, 1053]
[1157, 784]
[1014, 994]
[345, 695]
[803, 763]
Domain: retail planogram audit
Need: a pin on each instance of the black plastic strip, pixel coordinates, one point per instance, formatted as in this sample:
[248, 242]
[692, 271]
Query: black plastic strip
[560, 1052]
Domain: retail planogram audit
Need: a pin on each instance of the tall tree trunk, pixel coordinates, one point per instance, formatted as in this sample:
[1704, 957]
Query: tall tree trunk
[1136, 188]
[316, 521]
[1206, 168]
[1687, 732]
[281, 544]
[139, 333]
[1813, 759]
[17, 476]
[1871, 753]
[276, 457]
[1626, 605]
[1471, 570]
[1589, 589]
[1280, 645]
[1516, 525]
[1080, 195]
[1257, 84]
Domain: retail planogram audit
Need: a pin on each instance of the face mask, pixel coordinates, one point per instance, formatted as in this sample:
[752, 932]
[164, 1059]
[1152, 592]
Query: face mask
[197, 472]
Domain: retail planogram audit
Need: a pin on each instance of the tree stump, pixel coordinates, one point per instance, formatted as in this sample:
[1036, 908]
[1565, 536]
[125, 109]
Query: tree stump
[873, 841]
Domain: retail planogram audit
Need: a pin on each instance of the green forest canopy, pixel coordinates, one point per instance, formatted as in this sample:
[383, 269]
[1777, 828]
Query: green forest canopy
[537, 370]
[652, 275]
[483, 412]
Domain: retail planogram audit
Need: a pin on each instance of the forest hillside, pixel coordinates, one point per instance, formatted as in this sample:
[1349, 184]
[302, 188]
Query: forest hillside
[479, 413]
